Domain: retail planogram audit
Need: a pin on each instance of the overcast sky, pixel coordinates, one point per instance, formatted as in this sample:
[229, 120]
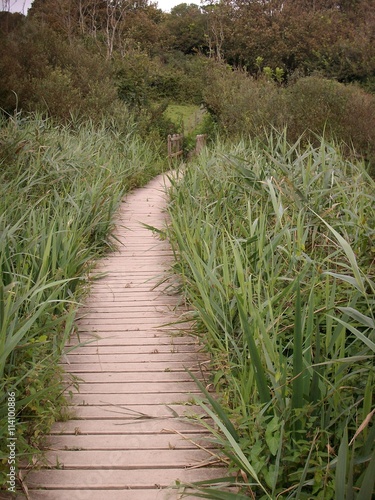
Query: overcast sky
[23, 5]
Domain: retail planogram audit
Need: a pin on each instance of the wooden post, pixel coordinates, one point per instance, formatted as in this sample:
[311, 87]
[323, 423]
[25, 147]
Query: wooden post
[200, 143]
[175, 145]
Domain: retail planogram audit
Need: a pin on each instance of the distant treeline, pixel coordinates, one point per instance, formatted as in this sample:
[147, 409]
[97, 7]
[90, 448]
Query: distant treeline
[246, 61]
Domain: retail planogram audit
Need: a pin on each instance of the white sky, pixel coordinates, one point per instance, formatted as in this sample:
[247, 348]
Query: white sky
[23, 5]
[167, 5]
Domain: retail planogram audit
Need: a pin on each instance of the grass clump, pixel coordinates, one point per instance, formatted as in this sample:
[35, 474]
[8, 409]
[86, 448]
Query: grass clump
[274, 242]
[59, 189]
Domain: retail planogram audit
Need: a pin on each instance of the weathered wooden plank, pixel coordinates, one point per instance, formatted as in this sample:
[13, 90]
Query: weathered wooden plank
[120, 285]
[157, 301]
[113, 377]
[132, 399]
[135, 349]
[125, 297]
[115, 494]
[129, 337]
[167, 307]
[132, 329]
[129, 442]
[155, 323]
[117, 479]
[129, 357]
[96, 412]
[166, 366]
[153, 387]
[140, 425]
[121, 341]
[127, 459]
[148, 292]
[122, 318]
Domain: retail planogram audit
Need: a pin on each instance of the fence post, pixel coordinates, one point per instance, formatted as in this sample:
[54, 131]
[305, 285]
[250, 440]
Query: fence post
[200, 143]
[169, 146]
[175, 145]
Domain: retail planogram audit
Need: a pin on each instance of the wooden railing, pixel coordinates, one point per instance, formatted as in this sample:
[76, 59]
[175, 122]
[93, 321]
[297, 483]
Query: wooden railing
[175, 145]
[175, 142]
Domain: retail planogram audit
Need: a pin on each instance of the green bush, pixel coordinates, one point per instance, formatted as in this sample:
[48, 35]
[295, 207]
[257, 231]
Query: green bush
[311, 106]
[240, 104]
[344, 112]
[42, 71]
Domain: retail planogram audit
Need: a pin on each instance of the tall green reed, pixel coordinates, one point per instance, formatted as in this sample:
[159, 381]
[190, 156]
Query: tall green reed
[274, 242]
[59, 189]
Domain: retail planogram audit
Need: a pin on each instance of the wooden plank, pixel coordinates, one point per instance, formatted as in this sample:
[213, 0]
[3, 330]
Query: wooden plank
[138, 426]
[134, 348]
[148, 357]
[131, 411]
[157, 300]
[166, 366]
[113, 377]
[140, 309]
[116, 494]
[153, 387]
[133, 324]
[126, 296]
[110, 442]
[117, 479]
[133, 399]
[128, 459]
[130, 336]
[136, 341]
[108, 323]
[104, 284]
[136, 308]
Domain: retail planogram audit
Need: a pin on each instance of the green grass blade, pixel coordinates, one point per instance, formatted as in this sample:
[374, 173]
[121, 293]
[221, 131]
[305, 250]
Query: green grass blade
[341, 467]
[260, 376]
[297, 385]
[236, 449]
[218, 495]
[368, 484]
[217, 407]
[349, 253]
[357, 333]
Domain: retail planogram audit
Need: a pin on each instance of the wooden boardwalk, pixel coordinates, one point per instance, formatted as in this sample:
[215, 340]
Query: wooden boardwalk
[127, 439]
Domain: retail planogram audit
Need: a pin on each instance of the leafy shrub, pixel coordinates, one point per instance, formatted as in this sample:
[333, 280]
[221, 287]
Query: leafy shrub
[344, 112]
[239, 103]
[44, 72]
[311, 106]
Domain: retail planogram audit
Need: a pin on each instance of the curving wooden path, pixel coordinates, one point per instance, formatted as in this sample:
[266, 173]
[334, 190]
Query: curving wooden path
[127, 440]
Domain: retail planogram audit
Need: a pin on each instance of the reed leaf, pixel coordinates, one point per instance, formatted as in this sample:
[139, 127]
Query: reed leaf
[341, 467]
[297, 383]
[260, 375]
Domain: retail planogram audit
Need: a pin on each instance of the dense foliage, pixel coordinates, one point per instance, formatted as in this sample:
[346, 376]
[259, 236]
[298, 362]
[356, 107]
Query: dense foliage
[311, 106]
[252, 64]
[275, 247]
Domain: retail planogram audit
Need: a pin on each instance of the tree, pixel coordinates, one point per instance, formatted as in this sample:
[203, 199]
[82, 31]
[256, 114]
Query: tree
[334, 37]
[60, 15]
[186, 29]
